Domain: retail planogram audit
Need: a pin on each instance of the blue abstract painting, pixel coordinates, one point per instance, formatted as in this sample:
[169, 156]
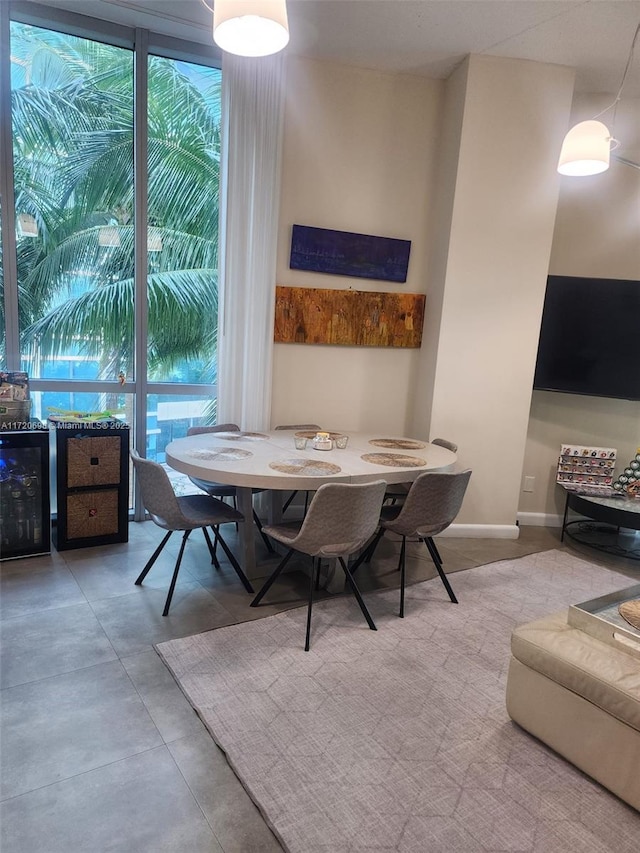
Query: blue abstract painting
[346, 253]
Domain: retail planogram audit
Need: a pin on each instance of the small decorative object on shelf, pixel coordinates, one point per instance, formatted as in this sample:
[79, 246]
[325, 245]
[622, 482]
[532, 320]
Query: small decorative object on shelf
[587, 470]
[15, 399]
[75, 416]
[629, 480]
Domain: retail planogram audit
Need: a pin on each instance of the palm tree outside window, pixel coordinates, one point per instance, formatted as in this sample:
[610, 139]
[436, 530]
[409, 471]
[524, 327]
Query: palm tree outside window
[72, 102]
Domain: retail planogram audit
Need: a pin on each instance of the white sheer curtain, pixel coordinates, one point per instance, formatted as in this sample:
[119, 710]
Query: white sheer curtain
[253, 111]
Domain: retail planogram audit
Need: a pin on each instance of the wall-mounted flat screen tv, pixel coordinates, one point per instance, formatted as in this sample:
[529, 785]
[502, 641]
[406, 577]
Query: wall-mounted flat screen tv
[590, 338]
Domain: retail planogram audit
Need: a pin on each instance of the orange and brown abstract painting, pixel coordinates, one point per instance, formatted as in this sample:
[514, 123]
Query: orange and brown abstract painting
[310, 315]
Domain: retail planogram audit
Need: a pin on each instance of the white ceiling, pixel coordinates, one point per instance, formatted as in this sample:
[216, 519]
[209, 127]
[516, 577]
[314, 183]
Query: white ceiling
[427, 37]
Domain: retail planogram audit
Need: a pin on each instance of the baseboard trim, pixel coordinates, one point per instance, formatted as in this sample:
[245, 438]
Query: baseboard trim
[481, 531]
[540, 519]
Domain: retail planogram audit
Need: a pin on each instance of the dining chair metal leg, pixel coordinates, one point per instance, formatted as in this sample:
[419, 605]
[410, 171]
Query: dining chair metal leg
[152, 559]
[288, 502]
[212, 550]
[310, 605]
[437, 563]
[435, 548]
[233, 561]
[367, 553]
[291, 497]
[358, 596]
[172, 586]
[374, 544]
[402, 567]
[270, 580]
[265, 538]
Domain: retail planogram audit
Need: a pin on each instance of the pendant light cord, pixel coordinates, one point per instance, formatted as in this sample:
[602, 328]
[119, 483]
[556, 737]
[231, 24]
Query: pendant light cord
[624, 78]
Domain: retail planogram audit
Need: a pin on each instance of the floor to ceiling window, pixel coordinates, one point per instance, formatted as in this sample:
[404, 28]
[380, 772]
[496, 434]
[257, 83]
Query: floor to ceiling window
[115, 158]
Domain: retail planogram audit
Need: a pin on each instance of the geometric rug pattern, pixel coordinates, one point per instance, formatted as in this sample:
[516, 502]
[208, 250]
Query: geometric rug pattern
[398, 739]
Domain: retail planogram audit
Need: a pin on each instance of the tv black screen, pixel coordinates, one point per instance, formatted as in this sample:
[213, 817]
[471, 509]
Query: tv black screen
[589, 338]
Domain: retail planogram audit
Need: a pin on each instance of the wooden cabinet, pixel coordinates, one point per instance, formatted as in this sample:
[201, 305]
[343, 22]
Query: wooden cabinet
[92, 484]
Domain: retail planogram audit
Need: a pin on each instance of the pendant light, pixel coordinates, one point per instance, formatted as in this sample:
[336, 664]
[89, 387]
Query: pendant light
[250, 27]
[154, 240]
[27, 225]
[108, 236]
[587, 146]
[586, 149]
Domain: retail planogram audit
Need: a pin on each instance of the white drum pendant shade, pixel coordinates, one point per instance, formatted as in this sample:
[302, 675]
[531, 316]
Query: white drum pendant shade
[585, 150]
[250, 27]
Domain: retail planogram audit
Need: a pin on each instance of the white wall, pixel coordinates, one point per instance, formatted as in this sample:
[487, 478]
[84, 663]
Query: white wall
[359, 155]
[562, 418]
[597, 234]
[362, 153]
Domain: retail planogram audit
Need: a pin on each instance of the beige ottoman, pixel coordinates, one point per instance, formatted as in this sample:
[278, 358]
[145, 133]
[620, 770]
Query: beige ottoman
[582, 698]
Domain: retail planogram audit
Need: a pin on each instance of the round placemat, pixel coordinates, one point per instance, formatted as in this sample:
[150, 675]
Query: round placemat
[394, 460]
[305, 467]
[220, 454]
[242, 436]
[398, 443]
[307, 433]
[630, 612]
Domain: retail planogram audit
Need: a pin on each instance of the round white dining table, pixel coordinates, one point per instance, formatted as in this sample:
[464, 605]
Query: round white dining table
[270, 460]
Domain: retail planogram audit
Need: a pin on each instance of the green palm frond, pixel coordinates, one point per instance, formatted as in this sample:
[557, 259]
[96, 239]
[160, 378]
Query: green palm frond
[73, 150]
[101, 320]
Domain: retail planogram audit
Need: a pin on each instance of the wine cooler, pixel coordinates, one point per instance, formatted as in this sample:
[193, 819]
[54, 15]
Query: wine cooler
[25, 520]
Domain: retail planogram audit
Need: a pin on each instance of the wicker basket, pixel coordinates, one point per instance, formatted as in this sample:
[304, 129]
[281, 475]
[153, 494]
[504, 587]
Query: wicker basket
[93, 461]
[91, 514]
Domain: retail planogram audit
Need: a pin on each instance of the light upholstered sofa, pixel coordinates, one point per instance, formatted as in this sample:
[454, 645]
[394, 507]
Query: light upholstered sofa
[581, 697]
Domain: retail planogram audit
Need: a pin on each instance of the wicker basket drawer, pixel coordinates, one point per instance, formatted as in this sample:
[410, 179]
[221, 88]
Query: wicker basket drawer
[92, 514]
[93, 461]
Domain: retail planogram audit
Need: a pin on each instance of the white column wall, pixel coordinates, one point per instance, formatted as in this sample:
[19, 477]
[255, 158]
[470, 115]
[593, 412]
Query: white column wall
[497, 243]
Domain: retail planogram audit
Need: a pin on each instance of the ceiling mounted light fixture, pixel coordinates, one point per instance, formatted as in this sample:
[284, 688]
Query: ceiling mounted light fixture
[27, 225]
[250, 27]
[588, 145]
[154, 240]
[108, 236]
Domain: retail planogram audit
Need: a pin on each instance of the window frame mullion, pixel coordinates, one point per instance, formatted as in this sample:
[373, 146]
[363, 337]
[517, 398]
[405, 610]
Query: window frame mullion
[9, 257]
[141, 198]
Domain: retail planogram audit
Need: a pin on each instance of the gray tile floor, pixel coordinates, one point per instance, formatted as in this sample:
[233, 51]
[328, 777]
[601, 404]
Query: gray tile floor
[100, 749]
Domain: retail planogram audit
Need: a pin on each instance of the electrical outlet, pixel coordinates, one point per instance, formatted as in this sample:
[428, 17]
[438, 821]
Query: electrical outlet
[528, 484]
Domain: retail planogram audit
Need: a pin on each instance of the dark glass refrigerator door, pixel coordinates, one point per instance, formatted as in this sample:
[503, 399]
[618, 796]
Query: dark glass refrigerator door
[25, 518]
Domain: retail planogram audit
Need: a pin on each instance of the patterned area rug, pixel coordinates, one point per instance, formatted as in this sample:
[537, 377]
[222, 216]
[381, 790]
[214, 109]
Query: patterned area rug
[398, 740]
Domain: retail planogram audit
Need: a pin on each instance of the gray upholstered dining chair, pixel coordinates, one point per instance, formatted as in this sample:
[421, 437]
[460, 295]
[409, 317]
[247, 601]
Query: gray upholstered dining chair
[341, 518]
[221, 490]
[432, 504]
[398, 492]
[443, 442]
[293, 494]
[185, 513]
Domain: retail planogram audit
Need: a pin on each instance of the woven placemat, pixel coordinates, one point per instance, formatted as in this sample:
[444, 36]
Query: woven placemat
[242, 436]
[630, 612]
[220, 454]
[398, 443]
[308, 433]
[305, 467]
[394, 460]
